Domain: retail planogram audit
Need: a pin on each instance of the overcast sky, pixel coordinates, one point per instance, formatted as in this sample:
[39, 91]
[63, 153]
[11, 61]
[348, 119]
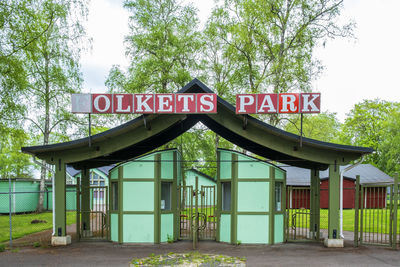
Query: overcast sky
[366, 68]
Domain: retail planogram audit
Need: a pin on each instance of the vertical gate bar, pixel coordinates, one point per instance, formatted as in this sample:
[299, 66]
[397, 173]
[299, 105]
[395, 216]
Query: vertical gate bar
[391, 214]
[373, 212]
[78, 208]
[380, 213]
[362, 214]
[395, 209]
[356, 205]
[195, 230]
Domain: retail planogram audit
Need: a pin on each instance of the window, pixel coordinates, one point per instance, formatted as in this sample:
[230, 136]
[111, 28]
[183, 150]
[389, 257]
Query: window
[226, 196]
[114, 192]
[278, 196]
[101, 183]
[165, 196]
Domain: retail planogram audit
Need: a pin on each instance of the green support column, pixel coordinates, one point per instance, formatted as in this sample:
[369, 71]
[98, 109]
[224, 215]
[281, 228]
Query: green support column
[175, 198]
[219, 196]
[333, 239]
[314, 204]
[157, 197]
[60, 236]
[234, 198]
[120, 204]
[85, 191]
[395, 209]
[271, 205]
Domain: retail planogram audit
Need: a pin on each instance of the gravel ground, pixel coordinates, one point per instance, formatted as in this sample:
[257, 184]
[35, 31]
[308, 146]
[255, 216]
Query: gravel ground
[290, 254]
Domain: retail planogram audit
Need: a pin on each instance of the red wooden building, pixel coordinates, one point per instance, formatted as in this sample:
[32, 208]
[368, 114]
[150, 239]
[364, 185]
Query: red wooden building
[298, 184]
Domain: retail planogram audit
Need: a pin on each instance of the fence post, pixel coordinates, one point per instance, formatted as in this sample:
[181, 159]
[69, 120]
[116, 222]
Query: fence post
[395, 204]
[9, 208]
[356, 211]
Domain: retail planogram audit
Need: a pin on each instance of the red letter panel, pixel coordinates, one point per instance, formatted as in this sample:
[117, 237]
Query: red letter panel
[206, 103]
[246, 104]
[165, 103]
[289, 103]
[310, 102]
[185, 103]
[267, 103]
[102, 103]
[143, 103]
[123, 103]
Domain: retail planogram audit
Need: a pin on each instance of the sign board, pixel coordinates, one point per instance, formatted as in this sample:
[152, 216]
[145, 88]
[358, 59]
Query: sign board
[144, 103]
[194, 103]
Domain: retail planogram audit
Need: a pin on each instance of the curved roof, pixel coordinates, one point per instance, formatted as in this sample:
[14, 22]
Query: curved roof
[147, 132]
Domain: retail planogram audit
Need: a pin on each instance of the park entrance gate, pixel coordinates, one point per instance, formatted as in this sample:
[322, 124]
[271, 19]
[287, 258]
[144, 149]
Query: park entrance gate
[92, 212]
[197, 212]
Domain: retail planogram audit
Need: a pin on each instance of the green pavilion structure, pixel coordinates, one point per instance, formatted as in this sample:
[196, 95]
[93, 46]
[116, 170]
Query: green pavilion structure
[249, 202]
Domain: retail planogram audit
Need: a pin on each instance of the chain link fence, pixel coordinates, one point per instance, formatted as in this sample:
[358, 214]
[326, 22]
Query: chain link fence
[19, 216]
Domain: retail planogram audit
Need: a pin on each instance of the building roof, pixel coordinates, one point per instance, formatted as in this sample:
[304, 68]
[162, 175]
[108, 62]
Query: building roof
[104, 169]
[201, 173]
[147, 132]
[369, 174]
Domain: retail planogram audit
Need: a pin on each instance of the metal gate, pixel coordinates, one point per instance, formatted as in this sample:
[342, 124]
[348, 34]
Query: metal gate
[376, 215]
[197, 212]
[298, 214]
[92, 213]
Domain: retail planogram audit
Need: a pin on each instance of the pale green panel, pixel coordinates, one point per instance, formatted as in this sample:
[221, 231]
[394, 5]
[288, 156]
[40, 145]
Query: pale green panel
[252, 229]
[114, 227]
[167, 165]
[140, 168]
[279, 174]
[114, 174]
[138, 196]
[138, 228]
[253, 196]
[279, 228]
[167, 226]
[225, 228]
[225, 165]
[179, 168]
[249, 168]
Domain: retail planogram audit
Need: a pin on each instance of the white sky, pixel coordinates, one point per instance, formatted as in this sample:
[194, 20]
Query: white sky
[366, 68]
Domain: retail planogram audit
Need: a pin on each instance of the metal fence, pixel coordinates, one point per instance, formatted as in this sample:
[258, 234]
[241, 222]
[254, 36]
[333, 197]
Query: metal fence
[22, 224]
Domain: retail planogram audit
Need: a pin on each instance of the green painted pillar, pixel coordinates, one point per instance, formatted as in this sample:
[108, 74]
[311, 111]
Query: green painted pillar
[59, 198]
[85, 210]
[219, 196]
[271, 205]
[234, 198]
[314, 204]
[334, 194]
[120, 204]
[157, 199]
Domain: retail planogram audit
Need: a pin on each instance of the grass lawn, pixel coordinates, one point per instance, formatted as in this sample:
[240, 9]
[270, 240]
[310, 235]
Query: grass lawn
[375, 220]
[21, 224]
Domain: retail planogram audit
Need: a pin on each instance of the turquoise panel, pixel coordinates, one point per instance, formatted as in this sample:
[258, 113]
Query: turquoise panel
[167, 164]
[114, 173]
[179, 169]
[279, 174]
[167, 227]
[253, 229]
[225, 228]
[253, 196]
[138, 196]
[225, 165]
[250, 168]
[279, 228]
[140, 168]
[114, 227]
[138, 228]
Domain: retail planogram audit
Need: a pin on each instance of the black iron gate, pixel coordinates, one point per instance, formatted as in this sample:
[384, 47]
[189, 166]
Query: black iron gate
[92, 213]
[197, 211]
[298, 214]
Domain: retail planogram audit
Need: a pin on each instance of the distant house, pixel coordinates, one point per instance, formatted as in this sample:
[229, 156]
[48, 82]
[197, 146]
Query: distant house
[298, 184]
[98, 176]
[204, 179]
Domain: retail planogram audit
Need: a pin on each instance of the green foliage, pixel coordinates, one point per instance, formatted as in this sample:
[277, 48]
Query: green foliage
[162, 46]
[170, 239]
[367, 125]
[2, 247]
[36, 244]
[13, 163]
[324, 126]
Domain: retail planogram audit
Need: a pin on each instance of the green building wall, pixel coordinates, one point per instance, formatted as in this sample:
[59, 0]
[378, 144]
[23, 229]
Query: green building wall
[140, 217]
[26, 200]
[254, 217]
